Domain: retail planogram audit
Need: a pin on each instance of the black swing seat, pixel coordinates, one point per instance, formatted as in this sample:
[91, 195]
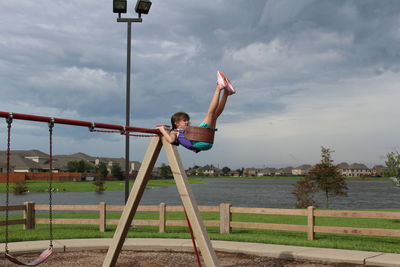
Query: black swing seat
[42, 258]
[195, 133]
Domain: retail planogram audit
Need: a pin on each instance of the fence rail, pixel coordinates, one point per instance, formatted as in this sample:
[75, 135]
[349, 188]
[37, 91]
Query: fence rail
[225, 222]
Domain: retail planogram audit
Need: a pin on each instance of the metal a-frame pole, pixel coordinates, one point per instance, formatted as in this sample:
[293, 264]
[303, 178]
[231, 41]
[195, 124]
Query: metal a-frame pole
[185, 192]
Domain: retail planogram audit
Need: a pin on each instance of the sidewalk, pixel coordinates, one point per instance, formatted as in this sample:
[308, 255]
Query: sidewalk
[179, 245]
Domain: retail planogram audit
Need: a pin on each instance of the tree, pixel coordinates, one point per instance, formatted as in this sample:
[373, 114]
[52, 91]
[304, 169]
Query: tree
[99, 184]
[304, 193]
[72, 166]
[116, 171]
[20, 188]
[79, 166]
[240, 171]
[225, 171]
[165, 171]
[393, 165]
[327, 177]
[101, 168]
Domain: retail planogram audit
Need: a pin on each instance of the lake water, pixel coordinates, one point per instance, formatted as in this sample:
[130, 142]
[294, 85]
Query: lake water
[239, 192]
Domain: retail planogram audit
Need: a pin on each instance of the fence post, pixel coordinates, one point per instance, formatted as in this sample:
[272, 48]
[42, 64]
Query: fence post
[163, 217]
[310, 223]
[225, 218]
[29, 215]
[102, 216]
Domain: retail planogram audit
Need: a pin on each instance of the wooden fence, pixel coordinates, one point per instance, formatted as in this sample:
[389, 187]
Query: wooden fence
[225, 222]
[21, 177]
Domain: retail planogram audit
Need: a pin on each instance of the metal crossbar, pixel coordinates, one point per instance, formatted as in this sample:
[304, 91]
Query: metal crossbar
[90, 125]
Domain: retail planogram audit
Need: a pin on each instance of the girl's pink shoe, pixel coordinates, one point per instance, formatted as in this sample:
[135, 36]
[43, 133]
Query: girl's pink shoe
[230, 87]
[221, 80]
[225, 83]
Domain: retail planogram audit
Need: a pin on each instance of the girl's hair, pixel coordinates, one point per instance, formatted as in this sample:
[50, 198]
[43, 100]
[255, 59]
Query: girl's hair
[177, 117]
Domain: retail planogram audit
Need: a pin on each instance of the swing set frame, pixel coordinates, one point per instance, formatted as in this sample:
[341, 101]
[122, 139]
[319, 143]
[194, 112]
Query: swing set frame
[195, 222]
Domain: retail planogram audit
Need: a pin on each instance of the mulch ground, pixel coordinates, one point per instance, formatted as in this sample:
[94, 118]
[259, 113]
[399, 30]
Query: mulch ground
[170, 259]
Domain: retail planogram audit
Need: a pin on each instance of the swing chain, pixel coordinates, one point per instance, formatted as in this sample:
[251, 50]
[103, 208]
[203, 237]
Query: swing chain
[51, 126]
[123, 131]
[92, 127]
[9, 121]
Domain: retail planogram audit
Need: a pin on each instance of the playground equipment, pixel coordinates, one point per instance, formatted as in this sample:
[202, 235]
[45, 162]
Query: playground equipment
[195, 133]
[195, 221]
[46, 253]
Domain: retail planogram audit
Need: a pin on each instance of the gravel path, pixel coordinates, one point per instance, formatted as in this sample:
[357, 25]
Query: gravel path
[170, 259]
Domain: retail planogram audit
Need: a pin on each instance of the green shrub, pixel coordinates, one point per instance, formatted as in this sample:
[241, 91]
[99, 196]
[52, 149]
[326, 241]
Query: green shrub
[20, 188]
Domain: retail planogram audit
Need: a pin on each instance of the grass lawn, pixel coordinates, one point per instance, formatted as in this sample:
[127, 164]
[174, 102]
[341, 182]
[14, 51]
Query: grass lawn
[342, 241]
[301, 177]
[42, 186]
[86, 186]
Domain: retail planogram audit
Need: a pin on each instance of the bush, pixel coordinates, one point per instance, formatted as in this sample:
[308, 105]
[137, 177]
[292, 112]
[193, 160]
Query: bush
[99, 186]
[20, 188]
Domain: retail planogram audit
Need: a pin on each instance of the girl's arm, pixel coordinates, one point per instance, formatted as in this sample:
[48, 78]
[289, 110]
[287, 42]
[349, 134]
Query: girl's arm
[169, 136]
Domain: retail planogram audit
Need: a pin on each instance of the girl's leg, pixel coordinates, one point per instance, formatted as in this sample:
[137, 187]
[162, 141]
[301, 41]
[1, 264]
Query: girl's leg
[211, 116]
[221, 104]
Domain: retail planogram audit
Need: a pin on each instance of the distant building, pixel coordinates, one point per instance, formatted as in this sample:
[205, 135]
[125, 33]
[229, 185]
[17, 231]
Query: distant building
[61, 161]
[354, 170]
[234, 174]
[287, 171]
[26, 161]
[301, 170]
[270, 171]
[250, 172]
[133, 168]
[210, 170]
[377, 170]
[207, 170]
[38, 161]
[264, 172]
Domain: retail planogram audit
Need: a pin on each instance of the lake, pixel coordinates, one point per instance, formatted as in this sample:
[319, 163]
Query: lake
[266, 193]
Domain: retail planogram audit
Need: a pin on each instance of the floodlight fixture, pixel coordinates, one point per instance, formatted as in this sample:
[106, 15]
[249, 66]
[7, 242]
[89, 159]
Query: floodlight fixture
[142, 7]
[119, 6]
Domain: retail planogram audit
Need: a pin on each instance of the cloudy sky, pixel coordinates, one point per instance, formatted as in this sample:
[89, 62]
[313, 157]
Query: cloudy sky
[309, 73]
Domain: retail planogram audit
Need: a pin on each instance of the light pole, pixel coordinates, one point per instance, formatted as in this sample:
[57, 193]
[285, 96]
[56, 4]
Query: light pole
[142, 7]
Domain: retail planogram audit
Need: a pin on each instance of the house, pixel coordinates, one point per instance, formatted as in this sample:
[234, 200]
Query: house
[264, 172]
[378, 170]
[38, 161]
[269, 171]
[3, 167]
[207, 170]
[61, 161]
[210, 170]
[26, 161]
[234, 174]
[287, 171]
[301, 170]
[133, 168]
[344, 168]
[250, 172]
[354, 170]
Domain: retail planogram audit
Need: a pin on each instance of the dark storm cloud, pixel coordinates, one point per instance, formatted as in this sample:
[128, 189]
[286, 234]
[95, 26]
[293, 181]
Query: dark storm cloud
[180, 49]
[68, 58]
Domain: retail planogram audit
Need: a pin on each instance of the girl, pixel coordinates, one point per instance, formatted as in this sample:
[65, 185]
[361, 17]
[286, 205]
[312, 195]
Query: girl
[181, 119]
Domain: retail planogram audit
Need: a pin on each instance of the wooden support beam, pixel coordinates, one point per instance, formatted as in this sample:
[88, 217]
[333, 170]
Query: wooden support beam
[225, 218]
[185, 192]
[29, 215]
[163, 218]
[102, 216]
[133, 201]
[190, 205]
